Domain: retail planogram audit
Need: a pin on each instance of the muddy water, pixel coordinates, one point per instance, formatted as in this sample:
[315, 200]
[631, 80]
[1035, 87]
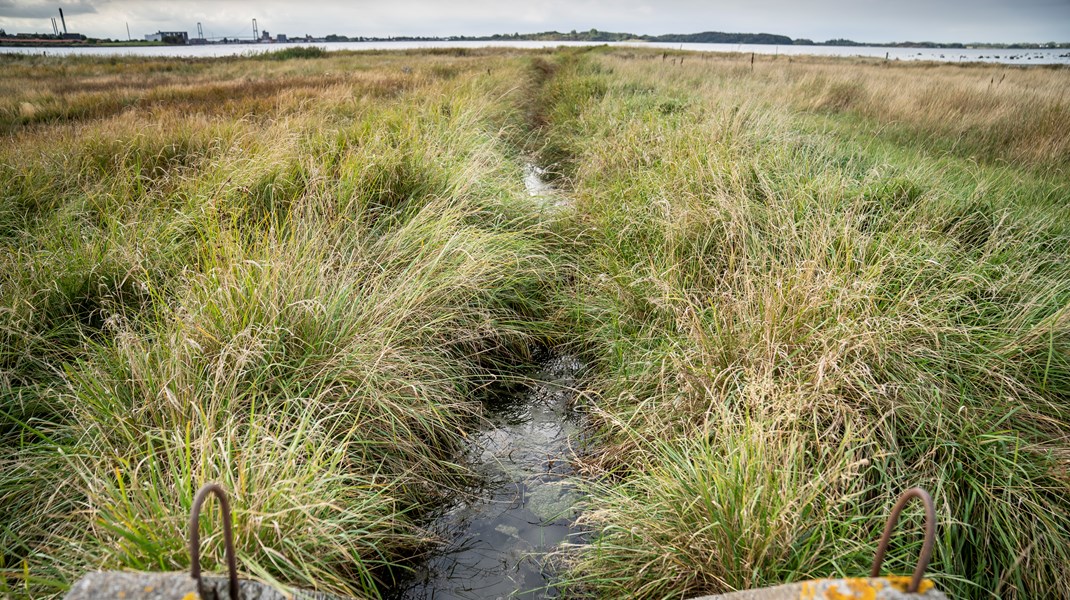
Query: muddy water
[498, 536]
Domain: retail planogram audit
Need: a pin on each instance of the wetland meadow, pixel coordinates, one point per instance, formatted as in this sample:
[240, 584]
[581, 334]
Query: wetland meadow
[723, 309]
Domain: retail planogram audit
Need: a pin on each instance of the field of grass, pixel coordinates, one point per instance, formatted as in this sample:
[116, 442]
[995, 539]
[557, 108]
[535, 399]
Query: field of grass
[290, 277]
[804, 302]
[805, 286]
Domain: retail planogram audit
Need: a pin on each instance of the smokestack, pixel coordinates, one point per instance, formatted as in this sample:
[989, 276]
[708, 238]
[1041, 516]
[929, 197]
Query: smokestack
[64, 21]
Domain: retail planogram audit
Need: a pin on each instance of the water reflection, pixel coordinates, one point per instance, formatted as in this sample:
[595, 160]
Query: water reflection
[499, 535]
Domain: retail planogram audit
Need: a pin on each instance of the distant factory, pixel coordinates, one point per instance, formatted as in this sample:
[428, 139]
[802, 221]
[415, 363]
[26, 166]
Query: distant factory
[43, 38]
[65, 36]
[169, 37]
[176, 38]
[182, 38]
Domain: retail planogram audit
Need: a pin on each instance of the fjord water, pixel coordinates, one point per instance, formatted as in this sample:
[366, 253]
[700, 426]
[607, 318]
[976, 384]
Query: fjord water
[498, 535]
[1044, 56]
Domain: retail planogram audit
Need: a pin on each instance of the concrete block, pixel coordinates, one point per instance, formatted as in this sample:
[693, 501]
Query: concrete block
[860, 588]
[119, 585]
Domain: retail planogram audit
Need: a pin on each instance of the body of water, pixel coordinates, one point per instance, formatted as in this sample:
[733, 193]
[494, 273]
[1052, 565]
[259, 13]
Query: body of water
[1004, 56]
[497, 537]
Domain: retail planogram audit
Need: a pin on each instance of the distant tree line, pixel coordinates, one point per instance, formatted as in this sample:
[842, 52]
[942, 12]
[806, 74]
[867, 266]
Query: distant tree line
[595, 35]
[705, 37]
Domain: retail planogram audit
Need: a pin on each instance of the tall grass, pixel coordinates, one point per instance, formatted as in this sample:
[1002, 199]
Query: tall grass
[295, 52]
[806, 286]
[793, 326]
[996, 114]
[301, 303]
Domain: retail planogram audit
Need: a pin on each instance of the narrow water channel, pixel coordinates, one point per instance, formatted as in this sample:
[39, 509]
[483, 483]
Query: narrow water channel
[498, 535]
[542, 190]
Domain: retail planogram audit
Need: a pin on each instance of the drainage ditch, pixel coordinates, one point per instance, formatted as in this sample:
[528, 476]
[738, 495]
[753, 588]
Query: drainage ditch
[498, 536]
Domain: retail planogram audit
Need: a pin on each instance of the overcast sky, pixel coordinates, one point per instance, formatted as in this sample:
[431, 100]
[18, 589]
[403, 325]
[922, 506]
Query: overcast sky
[863, 20]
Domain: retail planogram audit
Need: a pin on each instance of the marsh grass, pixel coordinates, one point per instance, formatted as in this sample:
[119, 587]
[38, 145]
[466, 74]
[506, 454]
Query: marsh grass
[299, 296]
[996, 114]
[794, 323]
[804, 288]
[300, 52]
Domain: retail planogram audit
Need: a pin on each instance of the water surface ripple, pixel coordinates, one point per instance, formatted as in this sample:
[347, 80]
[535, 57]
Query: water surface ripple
[497, 536]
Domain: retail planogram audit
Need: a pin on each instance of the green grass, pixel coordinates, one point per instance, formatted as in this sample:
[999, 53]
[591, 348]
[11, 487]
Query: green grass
[793, 326]
[294, 52]
[301, 305]
[804, 288]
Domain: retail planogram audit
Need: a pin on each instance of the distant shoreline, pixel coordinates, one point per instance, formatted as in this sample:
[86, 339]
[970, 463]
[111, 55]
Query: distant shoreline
[43, 43]
[593, 35]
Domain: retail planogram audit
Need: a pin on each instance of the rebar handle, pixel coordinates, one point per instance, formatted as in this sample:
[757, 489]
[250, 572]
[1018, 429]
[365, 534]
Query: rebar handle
[195, 537]
[926, 547]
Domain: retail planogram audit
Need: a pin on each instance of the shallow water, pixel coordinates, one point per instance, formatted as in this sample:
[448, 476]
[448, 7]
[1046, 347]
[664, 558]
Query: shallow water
[498, 536]
[535, 182]
[539, 188]
[1044, 56]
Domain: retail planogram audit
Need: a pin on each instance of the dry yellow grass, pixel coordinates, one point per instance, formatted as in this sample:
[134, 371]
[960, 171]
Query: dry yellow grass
[989, 112]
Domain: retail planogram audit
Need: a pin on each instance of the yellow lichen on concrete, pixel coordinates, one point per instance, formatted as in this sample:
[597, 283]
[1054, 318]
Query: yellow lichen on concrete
[848, 588]
[864, 589]
[902, 582]
[833, 593]
[856, 588]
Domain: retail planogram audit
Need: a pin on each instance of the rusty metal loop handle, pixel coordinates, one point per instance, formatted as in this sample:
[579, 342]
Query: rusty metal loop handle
[926, 547]
[195, 537]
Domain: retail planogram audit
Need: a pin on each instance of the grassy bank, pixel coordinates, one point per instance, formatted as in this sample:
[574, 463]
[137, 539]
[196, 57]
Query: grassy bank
[290, 277]
[805, 286]
[803, 305]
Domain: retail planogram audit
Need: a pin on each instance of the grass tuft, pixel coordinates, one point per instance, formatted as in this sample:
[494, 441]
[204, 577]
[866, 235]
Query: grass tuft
[294, 52]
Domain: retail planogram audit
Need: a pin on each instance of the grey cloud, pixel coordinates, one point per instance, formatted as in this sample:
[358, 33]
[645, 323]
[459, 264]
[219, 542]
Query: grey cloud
[34, 9]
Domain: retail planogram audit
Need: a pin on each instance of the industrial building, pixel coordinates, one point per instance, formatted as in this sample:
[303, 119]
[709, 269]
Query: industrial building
[169, 37]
